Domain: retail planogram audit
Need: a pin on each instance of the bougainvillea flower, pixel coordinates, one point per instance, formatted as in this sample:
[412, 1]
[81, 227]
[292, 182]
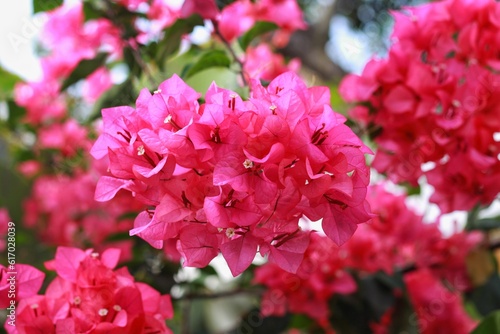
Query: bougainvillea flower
[235, 176]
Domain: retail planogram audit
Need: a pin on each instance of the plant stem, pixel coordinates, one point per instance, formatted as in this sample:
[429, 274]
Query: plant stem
[223, 294]
[231, 51]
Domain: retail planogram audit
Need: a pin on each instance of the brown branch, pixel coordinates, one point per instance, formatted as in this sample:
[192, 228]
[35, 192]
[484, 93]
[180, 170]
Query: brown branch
[309, 46]
[231, 51]
[223, 294]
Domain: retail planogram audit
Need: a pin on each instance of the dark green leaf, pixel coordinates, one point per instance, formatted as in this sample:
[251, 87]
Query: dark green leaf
[208, 271]
[411, 189]
[84, 69]
[213, 58]
[118, 236]
[378, 294]
[15, 114]
[119, 95]
[90, 12]
[375, 296]
[486, 298]
[348, 314]
[129, 56]
[301, 321]
[404, 318]
[45, 5]
[490, 325]
[472, 217]
[172, 38]
[254, 322]
[7, 82]
[487, 223]
[223, 3]
[13, 190]
[258, 29]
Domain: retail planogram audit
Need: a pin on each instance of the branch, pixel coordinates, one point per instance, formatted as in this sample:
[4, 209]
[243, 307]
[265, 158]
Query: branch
[309, 46]
[223, 294]
[231, 51]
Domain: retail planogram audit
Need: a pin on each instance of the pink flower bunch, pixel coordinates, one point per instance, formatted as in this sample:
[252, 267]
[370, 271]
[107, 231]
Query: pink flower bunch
[67, 137]
[238, 17]
[388, 240]
[321, 274]
[438, 309]
[445, 257]
[63, 210]
[89, 296]
[396, 239]
[235, 176]
[262, 63]
[433, 99]
[69, 40]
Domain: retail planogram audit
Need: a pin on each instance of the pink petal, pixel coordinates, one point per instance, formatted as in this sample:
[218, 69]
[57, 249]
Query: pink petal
[290, 254]
[67, 262]
[107, 187]
[110, 257]
[29, 280]
[239, 252]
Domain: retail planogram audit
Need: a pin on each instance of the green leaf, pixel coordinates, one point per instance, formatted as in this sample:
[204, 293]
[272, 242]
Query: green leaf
[118, 95]
[377, 291]
[254, 322]
[90, 12]
[490, 325]
[84, 69]
[486, 297]
[7, 82]
[349, 314]
[258, 29]
[172, 38]
[301, 321]
[487, 223]
[213, 58]
[45, 5]
[15, 114]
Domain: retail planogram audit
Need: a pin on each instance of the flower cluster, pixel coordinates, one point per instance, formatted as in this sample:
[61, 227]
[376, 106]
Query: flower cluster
[232, 21]
[63, 210]
[235, 175]
[262, 63]
[248, 12]
[61, 205]
[322, 274]
[69, 40]
[89, 296]
[437, 308]
[395, 241]
[433, 99]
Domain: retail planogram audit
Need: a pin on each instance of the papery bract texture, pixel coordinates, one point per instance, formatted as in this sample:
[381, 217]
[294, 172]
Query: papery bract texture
[88, 296]
[433, 100]
[235, 176]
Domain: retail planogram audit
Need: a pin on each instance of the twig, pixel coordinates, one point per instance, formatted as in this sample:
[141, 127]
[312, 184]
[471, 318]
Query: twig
[135, 53]
[223, 294]
[231, 51]
[186, 310]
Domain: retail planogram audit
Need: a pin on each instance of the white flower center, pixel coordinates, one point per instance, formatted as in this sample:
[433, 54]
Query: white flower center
[230, 232]
[140, 150]
[248, 163]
